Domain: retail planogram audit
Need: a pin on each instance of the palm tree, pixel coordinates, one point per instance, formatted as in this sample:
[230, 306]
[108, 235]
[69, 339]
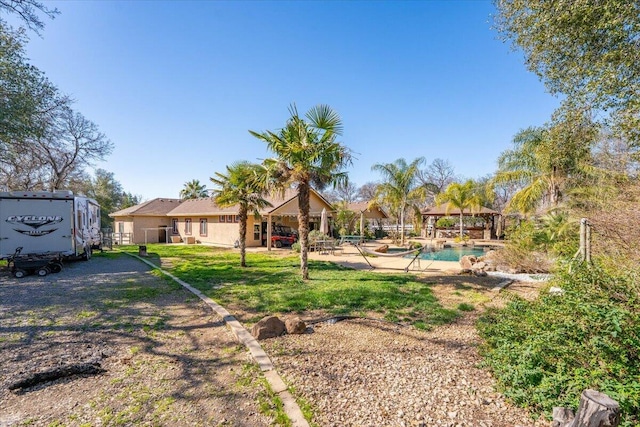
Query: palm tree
[307, 153]
[401, 187]
[546, 161]
[461, 196]
[193, 190]
[242, 185]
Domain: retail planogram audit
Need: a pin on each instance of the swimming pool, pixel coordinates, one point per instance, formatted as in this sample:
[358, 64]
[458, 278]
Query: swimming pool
[447, 254]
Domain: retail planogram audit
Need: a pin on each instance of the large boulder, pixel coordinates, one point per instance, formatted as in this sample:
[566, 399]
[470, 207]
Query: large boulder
[295, 325]
[268, 327]
[480, 265]
[466, 262]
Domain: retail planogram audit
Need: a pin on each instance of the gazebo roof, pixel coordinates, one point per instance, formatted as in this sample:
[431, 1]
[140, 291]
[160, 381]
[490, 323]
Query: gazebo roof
[441, 210]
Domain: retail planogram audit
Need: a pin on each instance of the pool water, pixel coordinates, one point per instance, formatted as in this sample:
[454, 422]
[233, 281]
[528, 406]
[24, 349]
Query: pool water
[451, 254]
[448, 254]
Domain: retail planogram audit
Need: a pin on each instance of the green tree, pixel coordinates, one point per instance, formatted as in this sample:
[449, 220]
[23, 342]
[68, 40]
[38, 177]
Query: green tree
[44, 144]
[242, 185]
[109, 194]
[401, 187]
[546, 161]
[465, 197]
[586, 50]
[193, 190]
[307, 154]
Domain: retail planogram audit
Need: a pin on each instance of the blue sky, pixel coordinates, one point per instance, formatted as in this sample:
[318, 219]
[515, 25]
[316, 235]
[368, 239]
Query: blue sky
[176, 85]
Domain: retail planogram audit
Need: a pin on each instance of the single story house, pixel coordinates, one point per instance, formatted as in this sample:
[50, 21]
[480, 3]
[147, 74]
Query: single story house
[201, 220]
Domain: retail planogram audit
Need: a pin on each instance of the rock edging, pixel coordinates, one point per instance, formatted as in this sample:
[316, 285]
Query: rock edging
[291, 408]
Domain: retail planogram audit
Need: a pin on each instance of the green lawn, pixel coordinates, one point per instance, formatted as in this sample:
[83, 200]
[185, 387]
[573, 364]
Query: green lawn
[271, 284]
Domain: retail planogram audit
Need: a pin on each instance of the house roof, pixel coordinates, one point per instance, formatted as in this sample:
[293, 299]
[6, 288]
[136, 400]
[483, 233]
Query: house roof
[441, 210]
[281, 203]
[203, 206]
[154, 207]
[368, 209]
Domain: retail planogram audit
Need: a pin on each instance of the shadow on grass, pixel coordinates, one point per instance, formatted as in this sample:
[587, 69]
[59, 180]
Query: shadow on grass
[113, 310]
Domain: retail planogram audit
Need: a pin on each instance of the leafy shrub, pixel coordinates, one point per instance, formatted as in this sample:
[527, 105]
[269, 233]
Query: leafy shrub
[447, 222]
[465, 238]
[315, 235]
[296, 247]
[544, 353]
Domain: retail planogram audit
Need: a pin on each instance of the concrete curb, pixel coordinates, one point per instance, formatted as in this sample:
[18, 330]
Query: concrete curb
[243, 336]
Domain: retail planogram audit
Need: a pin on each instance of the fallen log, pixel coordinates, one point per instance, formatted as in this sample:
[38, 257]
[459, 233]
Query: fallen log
[57, 373]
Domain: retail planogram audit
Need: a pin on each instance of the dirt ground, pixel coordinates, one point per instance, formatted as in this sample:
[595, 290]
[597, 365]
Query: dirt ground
[166, 358]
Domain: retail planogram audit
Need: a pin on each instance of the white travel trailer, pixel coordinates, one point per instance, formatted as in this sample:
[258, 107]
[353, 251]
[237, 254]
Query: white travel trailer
[45, 221]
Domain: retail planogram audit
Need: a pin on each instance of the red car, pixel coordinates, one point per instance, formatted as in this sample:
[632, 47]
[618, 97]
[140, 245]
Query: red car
[283, 236]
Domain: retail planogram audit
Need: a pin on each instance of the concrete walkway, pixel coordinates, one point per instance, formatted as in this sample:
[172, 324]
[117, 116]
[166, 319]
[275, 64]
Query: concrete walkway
[349, 256]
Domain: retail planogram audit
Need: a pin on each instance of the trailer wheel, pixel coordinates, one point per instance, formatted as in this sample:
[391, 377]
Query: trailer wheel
[18, 273]
[55, 267]
[87, 253]
[43, 271]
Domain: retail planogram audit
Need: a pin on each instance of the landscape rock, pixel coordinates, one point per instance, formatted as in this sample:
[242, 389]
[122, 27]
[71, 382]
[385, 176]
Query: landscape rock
[295, 325]
[466, 262]
[479, 273]
[382, 249]
[479, 265]
[268, 327]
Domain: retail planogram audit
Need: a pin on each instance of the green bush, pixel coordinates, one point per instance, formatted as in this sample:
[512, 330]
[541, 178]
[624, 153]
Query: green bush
[544, 353]
[296, 247]
[447, 222]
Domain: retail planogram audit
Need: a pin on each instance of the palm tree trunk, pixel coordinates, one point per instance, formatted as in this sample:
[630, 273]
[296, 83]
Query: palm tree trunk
[303, 228]
[242, 213]
[402, 225]
[461, 215]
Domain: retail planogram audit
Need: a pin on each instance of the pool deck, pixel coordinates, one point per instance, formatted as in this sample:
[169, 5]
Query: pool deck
[349, 256]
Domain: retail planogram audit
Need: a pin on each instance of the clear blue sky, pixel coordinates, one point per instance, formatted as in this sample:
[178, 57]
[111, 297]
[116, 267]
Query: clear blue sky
[177, 85]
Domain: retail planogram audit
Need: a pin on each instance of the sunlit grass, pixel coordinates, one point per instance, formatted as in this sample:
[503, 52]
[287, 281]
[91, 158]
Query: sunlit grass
[272, 284]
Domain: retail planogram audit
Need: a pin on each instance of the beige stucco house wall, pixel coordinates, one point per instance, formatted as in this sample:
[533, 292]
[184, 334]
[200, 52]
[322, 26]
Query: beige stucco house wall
[140, 224]
[202, 221]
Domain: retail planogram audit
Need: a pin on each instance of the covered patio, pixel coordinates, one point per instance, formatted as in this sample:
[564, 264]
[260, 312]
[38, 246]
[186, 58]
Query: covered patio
[485, 228]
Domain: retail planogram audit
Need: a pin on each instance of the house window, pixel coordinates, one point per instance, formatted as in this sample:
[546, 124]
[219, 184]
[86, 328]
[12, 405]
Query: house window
[236, 218]
[174, 225]
[121, 227]
[187, 226]
[203, 226]
[222, 218]
[256, 231]
[229, 218]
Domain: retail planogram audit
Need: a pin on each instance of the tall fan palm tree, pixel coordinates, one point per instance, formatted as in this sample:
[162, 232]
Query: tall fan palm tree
[401, 186]
[546, 161]
[306, 153]
[242, 185]
[461, 196]
[193, 190]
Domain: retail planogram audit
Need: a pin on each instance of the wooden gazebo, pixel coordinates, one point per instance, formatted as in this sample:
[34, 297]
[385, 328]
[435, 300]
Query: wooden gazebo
[487, 231]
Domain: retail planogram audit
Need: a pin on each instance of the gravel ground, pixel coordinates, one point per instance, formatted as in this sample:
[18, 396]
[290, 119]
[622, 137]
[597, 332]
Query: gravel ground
[168, 360]
[370, 373]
